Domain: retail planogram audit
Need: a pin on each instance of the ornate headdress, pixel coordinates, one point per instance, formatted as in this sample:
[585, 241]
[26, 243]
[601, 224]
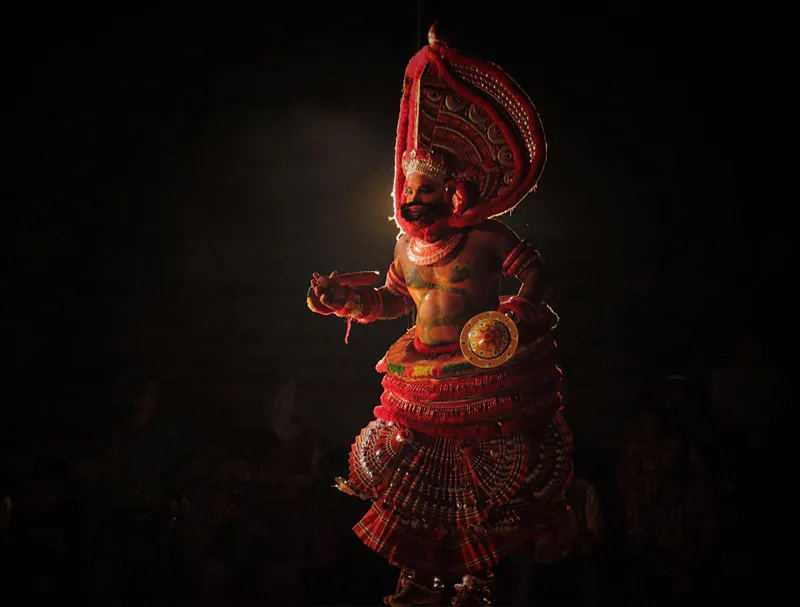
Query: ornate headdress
[465, 121]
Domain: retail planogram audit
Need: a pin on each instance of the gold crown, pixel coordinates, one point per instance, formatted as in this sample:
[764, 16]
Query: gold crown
[426, 166]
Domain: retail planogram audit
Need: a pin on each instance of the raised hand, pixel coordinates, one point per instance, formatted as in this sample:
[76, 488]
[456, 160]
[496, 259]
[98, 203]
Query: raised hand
[327, 294]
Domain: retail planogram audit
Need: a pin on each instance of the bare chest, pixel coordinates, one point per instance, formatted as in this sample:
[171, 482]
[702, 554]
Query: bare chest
[471, 267]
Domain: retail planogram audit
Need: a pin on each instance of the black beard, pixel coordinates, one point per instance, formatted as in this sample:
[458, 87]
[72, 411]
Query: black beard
[417, 211]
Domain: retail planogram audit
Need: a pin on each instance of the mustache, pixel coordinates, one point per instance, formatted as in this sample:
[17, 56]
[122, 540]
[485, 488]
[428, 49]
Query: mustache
[426, 205]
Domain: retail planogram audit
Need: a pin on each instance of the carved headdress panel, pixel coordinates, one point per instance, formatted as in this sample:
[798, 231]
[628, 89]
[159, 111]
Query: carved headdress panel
[465, 120]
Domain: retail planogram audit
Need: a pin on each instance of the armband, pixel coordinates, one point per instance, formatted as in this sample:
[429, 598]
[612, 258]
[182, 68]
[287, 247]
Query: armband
[395, 282]
[520, 261]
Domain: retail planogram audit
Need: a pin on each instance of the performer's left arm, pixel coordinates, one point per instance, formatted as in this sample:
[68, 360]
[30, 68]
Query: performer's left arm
[519, 259]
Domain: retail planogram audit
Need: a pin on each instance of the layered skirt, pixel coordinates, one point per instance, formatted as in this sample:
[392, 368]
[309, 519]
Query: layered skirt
[463, 465]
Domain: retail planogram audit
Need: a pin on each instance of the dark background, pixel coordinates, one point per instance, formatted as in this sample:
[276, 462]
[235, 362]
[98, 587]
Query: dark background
[176, 176]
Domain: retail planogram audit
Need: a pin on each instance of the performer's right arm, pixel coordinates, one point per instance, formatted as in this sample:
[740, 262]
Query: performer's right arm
[397, 300]
[362, 304]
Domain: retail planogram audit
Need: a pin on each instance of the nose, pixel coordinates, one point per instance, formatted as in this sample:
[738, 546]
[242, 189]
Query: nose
[417, 197]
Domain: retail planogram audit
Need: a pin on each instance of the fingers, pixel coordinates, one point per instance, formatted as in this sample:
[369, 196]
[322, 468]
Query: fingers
[325, 282]
[317, 275]
[326, 288]
[322, 293]
[315, 305]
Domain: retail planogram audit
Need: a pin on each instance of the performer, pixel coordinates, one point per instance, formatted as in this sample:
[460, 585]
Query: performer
[468, 457]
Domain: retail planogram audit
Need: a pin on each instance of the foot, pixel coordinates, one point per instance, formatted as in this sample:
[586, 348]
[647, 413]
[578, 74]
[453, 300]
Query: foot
[473, 591]
[409, 593]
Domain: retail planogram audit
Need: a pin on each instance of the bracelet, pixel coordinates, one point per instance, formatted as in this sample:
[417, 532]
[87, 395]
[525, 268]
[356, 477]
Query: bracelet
[520, 261]
[363, 305]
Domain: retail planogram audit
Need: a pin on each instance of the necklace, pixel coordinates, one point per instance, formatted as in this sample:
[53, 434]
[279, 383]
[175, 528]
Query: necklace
[423, 253]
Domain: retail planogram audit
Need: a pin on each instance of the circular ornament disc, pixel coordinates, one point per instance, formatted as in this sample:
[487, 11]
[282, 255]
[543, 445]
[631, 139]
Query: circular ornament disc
[489, 339]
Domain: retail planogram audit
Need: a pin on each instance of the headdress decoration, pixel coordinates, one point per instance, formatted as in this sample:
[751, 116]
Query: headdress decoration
[465, 121]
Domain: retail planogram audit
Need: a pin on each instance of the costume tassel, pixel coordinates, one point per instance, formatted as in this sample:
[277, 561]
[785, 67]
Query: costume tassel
[349, 326]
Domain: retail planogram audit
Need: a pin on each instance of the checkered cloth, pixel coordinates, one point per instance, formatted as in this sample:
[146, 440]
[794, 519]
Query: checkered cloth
[450, 507]
[463, 469]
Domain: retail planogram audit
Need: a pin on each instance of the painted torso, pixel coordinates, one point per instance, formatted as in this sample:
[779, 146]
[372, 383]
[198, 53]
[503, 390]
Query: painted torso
[450, 292]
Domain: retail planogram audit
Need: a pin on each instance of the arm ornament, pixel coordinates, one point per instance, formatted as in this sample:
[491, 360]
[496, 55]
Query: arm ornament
[396, 282]
[520, 261]
[362, 304]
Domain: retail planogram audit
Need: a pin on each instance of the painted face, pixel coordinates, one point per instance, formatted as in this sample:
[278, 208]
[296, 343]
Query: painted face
[422, 199]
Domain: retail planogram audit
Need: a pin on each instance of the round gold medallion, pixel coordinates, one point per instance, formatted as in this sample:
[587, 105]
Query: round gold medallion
[489, 339]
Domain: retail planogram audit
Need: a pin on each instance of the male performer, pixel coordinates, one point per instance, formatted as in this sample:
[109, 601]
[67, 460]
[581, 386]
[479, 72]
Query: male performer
[468, 457]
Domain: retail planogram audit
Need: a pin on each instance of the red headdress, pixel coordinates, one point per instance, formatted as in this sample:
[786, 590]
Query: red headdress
[467, 122]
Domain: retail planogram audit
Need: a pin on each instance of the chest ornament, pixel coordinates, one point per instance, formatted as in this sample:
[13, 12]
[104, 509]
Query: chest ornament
[423, 253]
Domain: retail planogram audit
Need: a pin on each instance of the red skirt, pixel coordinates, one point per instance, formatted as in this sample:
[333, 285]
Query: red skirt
[463, 465]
